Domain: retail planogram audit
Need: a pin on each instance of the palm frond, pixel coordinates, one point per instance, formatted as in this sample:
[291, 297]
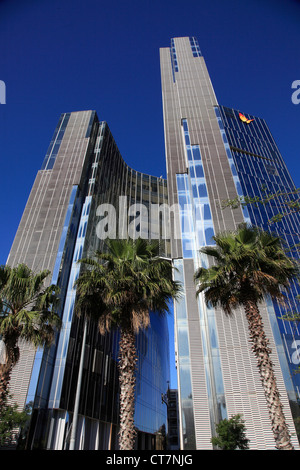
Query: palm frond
[246, 257]
[27, 307]
[125, 282]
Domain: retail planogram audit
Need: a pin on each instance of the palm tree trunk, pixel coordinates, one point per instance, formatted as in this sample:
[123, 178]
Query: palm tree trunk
[260, 347]
[5, 371]
[127, 368]
[11, 357]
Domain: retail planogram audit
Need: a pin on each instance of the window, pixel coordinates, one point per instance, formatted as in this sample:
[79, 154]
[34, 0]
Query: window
[209, 233]
[271, 170]
[195, 47]
[202, 190]
[199, 171]
[196, 153]
[206, 212]
[229, 113]
[173, 58]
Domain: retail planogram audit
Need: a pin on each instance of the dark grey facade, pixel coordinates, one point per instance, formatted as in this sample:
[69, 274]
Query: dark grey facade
[217, 375]
[84, 193]
[173, 420]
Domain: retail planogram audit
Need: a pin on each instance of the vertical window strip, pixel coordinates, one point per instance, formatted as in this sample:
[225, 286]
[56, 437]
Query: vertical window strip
[174, 61]
[65, 229]
[68, 309]
[203, 222]
[186, 217]
[192, 187]
[55, 142]
[184, 361]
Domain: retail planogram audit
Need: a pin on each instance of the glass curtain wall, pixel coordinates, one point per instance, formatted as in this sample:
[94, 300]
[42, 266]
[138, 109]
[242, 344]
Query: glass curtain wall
[262, 172]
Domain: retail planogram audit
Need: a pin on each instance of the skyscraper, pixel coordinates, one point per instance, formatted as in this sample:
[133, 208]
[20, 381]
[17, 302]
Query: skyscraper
[207, 163]
[83, 193]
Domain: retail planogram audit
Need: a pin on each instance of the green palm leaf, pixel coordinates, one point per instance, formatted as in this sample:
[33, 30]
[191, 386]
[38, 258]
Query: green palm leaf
[27, 312]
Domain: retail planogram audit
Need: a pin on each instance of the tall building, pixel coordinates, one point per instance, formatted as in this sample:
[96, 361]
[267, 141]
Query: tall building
[83, 193]
[213, 155]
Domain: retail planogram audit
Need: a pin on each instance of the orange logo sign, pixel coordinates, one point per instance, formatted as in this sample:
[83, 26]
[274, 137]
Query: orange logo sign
[244, 119]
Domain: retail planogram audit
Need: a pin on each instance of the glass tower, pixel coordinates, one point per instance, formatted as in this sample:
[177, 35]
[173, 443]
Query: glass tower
[207, 164]
[83, 193]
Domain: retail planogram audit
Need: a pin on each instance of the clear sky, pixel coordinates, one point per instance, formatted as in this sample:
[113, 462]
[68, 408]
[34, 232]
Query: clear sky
[69, 55]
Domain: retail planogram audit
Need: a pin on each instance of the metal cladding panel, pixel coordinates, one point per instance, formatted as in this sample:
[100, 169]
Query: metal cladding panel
[202, 422]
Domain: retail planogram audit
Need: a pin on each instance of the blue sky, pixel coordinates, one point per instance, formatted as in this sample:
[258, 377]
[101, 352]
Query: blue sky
[69, 55]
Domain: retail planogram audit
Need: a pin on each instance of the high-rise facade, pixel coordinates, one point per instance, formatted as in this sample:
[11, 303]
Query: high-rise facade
[212, 157]
[83, 193]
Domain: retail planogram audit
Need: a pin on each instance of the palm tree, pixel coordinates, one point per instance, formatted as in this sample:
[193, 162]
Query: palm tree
[249, 265]
[118, 289]
[26, 313]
